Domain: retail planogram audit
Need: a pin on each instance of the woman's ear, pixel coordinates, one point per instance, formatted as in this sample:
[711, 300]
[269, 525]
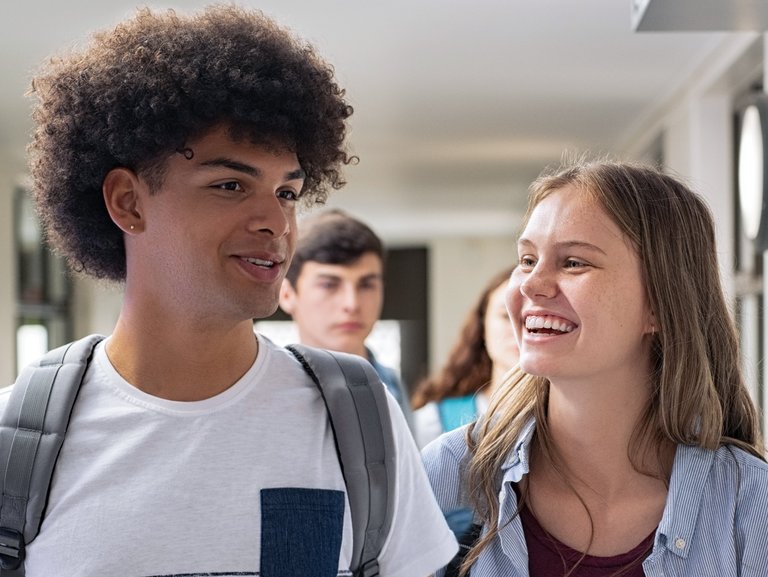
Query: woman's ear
[651, 326]
[121, 195]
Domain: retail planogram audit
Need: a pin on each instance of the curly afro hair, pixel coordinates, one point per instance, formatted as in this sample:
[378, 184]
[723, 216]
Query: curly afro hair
[140, 92]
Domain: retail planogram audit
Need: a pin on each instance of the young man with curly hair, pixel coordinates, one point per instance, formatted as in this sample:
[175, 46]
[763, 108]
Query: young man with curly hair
[171, 155]
[334, 289]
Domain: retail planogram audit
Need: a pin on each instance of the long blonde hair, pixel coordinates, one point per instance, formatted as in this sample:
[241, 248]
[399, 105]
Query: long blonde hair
[698, 396]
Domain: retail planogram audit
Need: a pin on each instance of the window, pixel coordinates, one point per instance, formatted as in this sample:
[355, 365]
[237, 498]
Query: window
[750, 261]
[43, 287]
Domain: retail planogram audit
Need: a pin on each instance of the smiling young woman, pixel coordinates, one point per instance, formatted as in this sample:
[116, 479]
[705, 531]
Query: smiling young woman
[626, 443]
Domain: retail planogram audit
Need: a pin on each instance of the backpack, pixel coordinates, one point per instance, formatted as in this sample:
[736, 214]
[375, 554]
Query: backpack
[35, 420]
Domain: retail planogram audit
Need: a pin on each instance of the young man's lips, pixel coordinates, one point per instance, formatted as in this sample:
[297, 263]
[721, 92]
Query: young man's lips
[262, 269]
[264, 259]
[349, 326]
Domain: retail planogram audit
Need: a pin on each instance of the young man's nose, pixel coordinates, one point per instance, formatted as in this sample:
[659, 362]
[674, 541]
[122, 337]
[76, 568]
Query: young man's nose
[269, 215]
[350, 298]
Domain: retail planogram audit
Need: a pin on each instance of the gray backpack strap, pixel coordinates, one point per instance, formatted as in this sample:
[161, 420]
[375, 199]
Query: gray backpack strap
[32, 430]
[359, 416]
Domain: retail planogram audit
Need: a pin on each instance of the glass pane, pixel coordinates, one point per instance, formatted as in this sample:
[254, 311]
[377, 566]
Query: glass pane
[58, 282]
[31, 343]
[58, 331]
[280, 332]
[384, 339]
[30, 254]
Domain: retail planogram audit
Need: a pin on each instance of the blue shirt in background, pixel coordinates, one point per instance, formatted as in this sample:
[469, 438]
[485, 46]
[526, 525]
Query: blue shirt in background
[394, 385]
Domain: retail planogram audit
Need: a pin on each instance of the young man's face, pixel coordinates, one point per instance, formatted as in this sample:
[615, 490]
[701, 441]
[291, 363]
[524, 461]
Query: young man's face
[335, 306]
[217, 238]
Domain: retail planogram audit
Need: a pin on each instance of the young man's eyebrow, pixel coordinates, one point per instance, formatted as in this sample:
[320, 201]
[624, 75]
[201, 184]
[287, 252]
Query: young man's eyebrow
[254, 171]
[297, 174]
[372, 276]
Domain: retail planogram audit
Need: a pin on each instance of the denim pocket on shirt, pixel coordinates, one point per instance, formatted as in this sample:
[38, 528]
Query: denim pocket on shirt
[301, 532]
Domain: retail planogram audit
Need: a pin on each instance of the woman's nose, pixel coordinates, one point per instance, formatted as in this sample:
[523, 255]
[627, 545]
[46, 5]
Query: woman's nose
[539, 282]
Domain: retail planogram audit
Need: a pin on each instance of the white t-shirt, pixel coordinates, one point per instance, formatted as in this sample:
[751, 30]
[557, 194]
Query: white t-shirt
[146, 487]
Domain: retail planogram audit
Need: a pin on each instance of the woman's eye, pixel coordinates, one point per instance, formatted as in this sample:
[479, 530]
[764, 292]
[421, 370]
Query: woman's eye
[572, 263]
[527, 261]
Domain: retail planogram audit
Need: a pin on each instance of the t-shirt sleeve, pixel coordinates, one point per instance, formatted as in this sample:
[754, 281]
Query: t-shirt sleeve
[420, 541]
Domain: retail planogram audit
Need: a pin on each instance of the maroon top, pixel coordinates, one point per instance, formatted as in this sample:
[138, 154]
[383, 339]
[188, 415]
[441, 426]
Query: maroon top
[548, 557]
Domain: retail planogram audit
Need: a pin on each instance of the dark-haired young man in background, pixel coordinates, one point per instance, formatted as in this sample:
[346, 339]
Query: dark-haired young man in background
[334, 289]
[170, 155]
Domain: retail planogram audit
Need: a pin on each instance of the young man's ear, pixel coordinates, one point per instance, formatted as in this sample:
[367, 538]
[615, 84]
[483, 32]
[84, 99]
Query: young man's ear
[121, 196]
[287, 297]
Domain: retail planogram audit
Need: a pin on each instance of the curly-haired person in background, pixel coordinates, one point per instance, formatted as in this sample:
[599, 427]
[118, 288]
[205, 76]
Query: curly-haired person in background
[171, 155]
[627, 443]
[484, 352]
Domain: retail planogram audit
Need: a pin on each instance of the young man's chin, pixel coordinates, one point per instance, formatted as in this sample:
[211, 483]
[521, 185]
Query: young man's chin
[264, 308]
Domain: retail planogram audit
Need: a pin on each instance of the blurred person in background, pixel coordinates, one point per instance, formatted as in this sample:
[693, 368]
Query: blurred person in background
[484, 352]
[334, 290]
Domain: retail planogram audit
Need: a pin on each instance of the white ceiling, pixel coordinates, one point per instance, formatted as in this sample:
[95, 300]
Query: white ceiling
[458, 103]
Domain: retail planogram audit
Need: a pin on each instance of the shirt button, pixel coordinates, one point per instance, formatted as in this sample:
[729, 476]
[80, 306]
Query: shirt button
[680, 543]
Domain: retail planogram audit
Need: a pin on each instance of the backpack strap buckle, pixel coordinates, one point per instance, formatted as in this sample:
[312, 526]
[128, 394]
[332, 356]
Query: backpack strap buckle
[369, 569]
[11, 548]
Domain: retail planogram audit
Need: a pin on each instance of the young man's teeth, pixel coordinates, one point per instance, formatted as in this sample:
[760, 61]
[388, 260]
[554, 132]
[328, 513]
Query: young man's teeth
[259, 262]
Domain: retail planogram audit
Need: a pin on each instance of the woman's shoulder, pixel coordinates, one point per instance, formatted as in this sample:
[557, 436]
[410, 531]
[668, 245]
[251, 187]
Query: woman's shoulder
[726, 462]
[444, 460]
[728, 474]
[744, 468]
[740, 478]
[446, 450]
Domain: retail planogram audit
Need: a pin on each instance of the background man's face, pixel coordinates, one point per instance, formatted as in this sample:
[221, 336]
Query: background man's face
[335, 306]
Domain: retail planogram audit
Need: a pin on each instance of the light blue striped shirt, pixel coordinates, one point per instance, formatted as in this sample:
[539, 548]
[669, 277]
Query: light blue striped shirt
[715, 522]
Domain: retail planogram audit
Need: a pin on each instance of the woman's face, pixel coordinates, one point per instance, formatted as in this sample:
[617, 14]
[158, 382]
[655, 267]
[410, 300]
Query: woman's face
[577, 300]
[500, 342]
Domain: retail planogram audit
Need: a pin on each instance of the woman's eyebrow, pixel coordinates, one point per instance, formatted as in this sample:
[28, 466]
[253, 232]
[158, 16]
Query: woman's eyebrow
[568, 244]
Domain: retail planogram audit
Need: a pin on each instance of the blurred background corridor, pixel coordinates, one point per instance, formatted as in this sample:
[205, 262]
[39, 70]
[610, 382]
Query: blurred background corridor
[459, 105]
